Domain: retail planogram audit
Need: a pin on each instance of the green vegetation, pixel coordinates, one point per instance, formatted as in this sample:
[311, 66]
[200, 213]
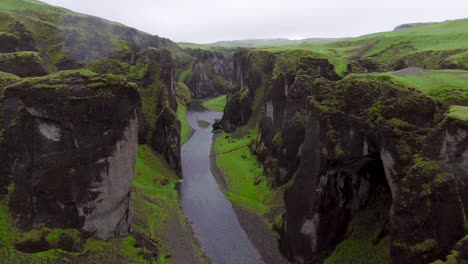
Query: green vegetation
[254, 43]
[424, 46]
[183, 76]
[247, 185]
[216, 104]
[85, 35]
[154, 196]
[443, 85]
[184, 95]
[458, 112]
[156, 199]
[121, 250]
[185, 129]
[362, 245]
[154, 191]
[7, 79]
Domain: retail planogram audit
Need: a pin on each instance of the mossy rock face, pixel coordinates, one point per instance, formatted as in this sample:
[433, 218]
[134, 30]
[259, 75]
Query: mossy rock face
[457, 61]
[71, 117]
[438, 224]
[365, 66]
[16, 36]
[358, 139]
[7, 79]
[154, 72]
[23, 64]
[8, 42]
[211, 74]
[252, 69]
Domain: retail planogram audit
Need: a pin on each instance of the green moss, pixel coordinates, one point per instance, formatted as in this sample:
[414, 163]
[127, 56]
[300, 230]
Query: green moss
[109, 66]
[184, 95]
[427, 246]
[216, 104]
[242, 171]
[185, 128]
[185, 75]
[458, 112]
[338, 151]
[361, 245]
[278, 140]
[61, 77]
[443, 85]
[54, 234]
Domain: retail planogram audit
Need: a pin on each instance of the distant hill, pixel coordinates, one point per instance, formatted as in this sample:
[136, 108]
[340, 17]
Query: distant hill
[259, 43]
[410, 25]
[63, 36]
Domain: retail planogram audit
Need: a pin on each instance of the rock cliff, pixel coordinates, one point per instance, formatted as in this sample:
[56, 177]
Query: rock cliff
[68, 145]
[364, 150]
[211, 74]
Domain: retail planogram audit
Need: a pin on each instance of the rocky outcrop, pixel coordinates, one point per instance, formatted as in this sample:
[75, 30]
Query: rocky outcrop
[252, 69]
[361, 144]
[23, 64]
[368, 65]
[412, 25]
[8, 42]
[15, 36]
[284, 119]
[153, 71]
[161, 126]
[68, 154]
[211, 74]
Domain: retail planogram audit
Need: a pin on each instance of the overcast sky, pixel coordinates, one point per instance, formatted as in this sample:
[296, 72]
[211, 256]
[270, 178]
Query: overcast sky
[205, 21]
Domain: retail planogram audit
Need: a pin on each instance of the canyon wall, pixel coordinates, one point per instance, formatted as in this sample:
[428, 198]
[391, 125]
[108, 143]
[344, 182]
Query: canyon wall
[363, 145]
[211, 74]
[68, 145]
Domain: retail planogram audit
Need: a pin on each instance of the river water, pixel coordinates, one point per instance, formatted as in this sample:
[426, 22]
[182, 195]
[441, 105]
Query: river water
[212, 217]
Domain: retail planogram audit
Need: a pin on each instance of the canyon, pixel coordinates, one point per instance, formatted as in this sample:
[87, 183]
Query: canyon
[118, 146]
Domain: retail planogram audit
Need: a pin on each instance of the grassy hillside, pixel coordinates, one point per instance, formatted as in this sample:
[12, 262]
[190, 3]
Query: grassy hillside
[427, 46]
[256, 43]
[216, 104]
[246, 182]
[63, 36]
[450, 86]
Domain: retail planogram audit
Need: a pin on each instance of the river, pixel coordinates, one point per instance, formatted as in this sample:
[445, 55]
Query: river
[212, 217]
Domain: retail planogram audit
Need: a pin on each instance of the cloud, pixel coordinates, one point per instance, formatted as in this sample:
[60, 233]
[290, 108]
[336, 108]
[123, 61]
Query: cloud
[205, 21]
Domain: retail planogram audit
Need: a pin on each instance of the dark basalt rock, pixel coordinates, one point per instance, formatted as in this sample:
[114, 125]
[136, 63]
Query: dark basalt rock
[23, 64]
[318, 67]
[16, 29]
[370, 146]
[68, 144]
[161, 127]
[9, 43]
[67, 63]
[251, 72]
[365, 66]
[285, 117]
[212, 74]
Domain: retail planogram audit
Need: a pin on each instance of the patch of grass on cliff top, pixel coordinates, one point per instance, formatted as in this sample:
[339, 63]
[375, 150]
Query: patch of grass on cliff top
[216, 104]
[29, 5]
[443, 85]
[185, 129]
[458, 112]
[388, 46]
[247, 185]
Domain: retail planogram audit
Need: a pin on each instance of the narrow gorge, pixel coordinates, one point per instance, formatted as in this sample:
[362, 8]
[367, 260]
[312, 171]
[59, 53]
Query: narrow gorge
[119, 146]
